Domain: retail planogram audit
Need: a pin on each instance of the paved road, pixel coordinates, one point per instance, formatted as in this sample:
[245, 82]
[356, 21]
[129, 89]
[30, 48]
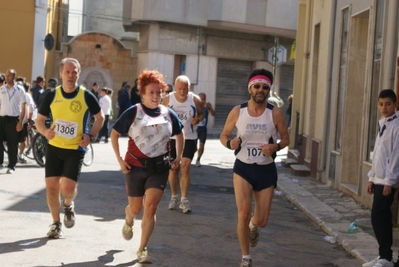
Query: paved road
[207, 237]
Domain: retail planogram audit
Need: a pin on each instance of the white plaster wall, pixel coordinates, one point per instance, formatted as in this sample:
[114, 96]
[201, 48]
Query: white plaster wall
[271, 13]
[282, 13]
[38, 38]
[233, 11]
[105, 16]
[206, 79]
[161, 62]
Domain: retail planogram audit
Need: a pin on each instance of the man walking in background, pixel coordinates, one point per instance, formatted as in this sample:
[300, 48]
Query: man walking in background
[105, 104]
[202, 129]
[12, 113]
[38, 89]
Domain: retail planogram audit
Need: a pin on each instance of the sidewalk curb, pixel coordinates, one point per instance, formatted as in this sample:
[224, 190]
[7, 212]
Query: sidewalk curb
[357, 244]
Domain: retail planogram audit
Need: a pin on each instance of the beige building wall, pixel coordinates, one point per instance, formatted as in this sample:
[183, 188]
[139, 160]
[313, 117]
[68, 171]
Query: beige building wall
[16, 51]
[316, 84]
[54, 17]
[317, 89]
[301, 61]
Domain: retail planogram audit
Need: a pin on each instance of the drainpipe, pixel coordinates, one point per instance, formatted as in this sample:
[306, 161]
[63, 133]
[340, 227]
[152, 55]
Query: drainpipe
[327, 114]
[304, 66]
[198, 54]
[390, 54]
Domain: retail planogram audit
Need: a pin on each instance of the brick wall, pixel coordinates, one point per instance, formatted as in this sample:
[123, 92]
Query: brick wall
[102, 58]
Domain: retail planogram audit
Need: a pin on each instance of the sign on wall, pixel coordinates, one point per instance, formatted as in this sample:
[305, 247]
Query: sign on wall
[281, 55]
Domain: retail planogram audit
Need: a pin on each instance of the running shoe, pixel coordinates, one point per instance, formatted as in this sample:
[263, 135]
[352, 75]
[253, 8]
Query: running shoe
[383, 263]
[173, 203]
[185, 206]
[21, 159]
[127, 231]
[371, 263]
[55, 230]
[69, 215]
[253, 236]
[246, 263]
[142, 256]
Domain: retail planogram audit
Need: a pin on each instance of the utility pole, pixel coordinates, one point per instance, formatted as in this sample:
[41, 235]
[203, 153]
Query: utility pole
[275, 56]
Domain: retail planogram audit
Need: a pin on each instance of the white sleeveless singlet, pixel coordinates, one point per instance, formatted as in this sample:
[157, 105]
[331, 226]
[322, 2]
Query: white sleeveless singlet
[185, 111]
[255, 132]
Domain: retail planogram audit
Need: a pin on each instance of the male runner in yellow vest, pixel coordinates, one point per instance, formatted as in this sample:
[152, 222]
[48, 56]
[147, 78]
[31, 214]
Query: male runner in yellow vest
[69, 106]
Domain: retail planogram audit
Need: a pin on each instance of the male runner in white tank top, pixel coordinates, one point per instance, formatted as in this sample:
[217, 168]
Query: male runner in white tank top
[255, 145]
[188, 107]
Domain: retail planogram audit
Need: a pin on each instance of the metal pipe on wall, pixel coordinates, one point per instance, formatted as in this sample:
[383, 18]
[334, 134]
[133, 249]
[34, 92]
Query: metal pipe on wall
[327, 114]
[389, 52]
[199, 48]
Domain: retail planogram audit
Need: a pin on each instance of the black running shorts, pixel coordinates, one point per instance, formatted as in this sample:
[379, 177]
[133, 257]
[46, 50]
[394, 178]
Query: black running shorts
[138, 180]
[190, 147]
[259, 176]
[63, 162]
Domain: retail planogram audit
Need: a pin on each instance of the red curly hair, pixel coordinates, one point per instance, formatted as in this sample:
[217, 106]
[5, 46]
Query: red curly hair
[147, 77]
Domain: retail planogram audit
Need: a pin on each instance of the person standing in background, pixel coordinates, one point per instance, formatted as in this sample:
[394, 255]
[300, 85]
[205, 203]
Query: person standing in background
[202, 129]
[134, 94]
[94, 89]
[12, 113]
[37, 89]
[105, 104]
[51, 84]
[384, 177]
[110, 92]
[124, 99]
[167, 91]
[29, 118]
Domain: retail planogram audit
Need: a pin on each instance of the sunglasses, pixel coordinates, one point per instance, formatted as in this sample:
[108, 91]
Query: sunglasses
[264, 87]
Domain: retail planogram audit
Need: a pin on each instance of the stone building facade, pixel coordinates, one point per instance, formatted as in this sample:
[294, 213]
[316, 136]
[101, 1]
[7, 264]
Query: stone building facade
[215, 43]
[103, 59]
[347, 52]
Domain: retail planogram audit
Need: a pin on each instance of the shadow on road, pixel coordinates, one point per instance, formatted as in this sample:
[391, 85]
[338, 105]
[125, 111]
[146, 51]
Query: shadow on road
[102, 194]
[22, 245]
[107, 258]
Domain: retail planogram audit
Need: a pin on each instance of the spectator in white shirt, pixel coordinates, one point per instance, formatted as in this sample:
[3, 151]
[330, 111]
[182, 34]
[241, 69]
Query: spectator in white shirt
[105, 104]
